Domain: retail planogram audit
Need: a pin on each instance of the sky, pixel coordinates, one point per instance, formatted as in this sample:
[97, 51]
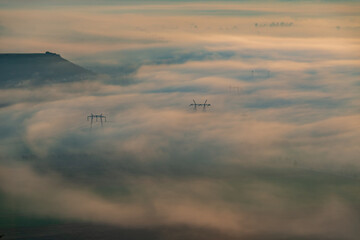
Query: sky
[276, 155]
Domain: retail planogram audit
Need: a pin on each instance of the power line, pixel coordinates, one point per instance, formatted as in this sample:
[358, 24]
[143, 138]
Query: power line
[96, 116]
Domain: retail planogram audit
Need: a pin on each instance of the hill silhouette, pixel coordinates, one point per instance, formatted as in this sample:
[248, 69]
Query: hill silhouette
[28, 69]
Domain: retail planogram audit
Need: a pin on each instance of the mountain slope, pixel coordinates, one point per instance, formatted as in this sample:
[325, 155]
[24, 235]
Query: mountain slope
[38, 69]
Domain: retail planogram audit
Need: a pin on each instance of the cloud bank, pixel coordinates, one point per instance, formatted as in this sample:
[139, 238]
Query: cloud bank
[276, 154]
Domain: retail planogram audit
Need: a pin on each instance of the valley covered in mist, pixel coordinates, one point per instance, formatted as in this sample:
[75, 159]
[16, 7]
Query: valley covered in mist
[275, 156]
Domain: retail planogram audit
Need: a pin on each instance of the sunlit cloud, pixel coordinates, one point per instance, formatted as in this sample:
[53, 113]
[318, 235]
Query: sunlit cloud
[276, 153]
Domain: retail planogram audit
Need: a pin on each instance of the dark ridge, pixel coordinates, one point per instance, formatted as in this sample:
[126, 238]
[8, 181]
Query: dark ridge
[31, 69]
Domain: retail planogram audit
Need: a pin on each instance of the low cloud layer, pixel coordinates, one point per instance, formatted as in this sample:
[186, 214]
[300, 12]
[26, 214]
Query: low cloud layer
[276, 153]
